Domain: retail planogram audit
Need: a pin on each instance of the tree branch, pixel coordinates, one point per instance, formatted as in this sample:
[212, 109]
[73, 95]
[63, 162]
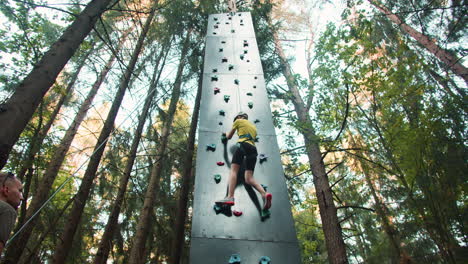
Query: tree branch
[355, 206]
[343, 124]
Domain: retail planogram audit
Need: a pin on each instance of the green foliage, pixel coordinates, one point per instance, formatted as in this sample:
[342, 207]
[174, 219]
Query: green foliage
[310, 234]
[27, 36]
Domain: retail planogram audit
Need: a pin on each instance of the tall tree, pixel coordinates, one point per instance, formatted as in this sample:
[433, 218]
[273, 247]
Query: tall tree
[452, 62]
[331, 227]
[14, 252]
[18, 110]
[83, 193]
[187, 171]
[36, 142]
[382, 210]
[139, 241]
[104, 245]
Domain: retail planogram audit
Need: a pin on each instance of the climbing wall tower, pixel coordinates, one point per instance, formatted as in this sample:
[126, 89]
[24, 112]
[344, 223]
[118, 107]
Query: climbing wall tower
[233, 81]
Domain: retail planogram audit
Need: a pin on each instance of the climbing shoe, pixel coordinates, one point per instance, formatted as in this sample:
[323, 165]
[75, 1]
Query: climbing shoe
[226, 201]
[267, 201]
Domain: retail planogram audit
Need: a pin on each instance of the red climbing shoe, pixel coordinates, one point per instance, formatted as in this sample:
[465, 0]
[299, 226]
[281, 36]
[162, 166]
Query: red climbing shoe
[267, 201]
[226, 201]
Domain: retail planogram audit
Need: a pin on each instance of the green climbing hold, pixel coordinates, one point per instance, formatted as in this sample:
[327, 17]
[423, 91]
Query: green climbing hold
[217, 178]
[264, 260]
[224, 138]
[256, 139]
[231, 67]
[236, 81]
[211, 147]
[222, 113]
[218, 209]
[256, 121]
[249, 94]
[262, 158]
[265, 214]
[264, 186]
[250, 104]
[226, 98]
[235, 259]
[242, 56]
[214, 78]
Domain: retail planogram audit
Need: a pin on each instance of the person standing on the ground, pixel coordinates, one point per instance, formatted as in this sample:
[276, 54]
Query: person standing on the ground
[10, 198]
[247, 133]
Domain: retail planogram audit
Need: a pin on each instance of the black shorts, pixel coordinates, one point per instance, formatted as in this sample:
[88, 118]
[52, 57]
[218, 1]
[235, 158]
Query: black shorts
[247, 151]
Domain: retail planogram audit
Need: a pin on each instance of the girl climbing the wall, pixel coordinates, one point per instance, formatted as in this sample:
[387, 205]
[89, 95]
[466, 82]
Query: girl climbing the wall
[247, 133]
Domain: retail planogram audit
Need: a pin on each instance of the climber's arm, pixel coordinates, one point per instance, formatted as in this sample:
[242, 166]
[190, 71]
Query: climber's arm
[231, 133]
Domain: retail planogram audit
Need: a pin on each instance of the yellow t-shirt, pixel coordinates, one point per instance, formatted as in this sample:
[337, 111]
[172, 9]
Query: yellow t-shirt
[245, 127]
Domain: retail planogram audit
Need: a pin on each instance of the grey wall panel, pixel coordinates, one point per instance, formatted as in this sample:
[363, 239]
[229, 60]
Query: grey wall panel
[220, 48]
[243, 22]
[211, 104]
[248, 57]
[216, 236]
[210, 251]
[219, 25]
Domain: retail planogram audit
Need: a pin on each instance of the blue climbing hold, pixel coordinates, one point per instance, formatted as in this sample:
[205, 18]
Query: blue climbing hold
[264, 260]
[211, 147]
[235, 259]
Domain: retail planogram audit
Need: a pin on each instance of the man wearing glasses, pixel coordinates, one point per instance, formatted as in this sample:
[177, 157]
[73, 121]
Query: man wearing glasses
[10, 198]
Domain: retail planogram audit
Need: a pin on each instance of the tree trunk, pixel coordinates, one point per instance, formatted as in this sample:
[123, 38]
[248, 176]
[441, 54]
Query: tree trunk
[18, 110]
[16, 248]
[35, 146]
[331, 228]
[179, 227]
[452, 62]
[81, 197]
[139, 242]
[36, 143]
[104, 246]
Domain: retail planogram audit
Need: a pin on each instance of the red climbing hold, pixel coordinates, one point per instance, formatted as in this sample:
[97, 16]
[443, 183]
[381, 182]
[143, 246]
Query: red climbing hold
[220, 163]
[237, 213]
